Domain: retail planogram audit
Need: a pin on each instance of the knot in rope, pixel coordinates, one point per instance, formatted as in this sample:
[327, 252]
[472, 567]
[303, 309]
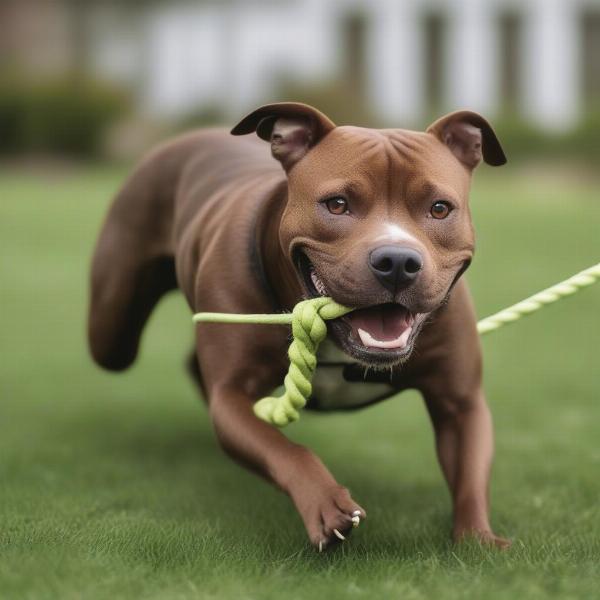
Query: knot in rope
[308, 330]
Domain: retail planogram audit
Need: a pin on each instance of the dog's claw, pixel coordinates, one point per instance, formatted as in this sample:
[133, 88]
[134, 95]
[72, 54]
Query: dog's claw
[320, 546]
[339, 535]
[355, 521]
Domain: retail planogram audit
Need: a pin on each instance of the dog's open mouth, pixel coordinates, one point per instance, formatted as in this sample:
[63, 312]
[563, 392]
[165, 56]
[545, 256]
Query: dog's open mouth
[385, 326]
[379, 335]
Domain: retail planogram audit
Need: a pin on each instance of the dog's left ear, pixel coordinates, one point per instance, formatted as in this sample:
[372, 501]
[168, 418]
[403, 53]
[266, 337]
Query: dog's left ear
[470, 138]
[291, 127]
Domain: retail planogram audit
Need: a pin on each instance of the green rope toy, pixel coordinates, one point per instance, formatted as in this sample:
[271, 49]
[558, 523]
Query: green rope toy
[309, 330]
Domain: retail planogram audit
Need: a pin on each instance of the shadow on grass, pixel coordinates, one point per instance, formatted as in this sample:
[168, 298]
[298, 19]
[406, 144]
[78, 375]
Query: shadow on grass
[173, 471]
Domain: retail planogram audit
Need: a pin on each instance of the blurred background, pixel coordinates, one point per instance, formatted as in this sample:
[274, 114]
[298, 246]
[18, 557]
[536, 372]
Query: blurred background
[105, 78]
[112, 485]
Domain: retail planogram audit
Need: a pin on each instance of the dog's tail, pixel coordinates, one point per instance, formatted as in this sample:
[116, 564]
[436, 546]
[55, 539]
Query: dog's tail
[133, 264]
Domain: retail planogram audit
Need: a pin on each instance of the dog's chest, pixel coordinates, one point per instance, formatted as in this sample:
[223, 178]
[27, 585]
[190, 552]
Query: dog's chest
[340, 384]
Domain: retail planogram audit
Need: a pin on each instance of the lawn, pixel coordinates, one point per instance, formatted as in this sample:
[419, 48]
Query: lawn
[112, 486]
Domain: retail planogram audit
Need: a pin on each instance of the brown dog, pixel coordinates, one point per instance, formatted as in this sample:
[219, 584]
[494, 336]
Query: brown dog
[377, 219]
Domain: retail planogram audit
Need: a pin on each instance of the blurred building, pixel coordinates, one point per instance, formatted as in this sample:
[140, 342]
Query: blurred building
[409, 58]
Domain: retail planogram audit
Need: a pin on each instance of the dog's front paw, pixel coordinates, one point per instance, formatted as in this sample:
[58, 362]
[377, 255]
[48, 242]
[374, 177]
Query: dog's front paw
[329, 514]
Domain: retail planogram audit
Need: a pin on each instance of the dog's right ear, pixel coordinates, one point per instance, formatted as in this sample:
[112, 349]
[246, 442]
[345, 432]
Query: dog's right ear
[292, 128]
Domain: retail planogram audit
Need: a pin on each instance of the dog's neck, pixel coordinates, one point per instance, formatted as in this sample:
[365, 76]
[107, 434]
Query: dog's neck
[279, 274]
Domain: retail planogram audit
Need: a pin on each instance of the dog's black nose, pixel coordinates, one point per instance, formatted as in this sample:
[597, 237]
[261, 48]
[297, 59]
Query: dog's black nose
[395, 266]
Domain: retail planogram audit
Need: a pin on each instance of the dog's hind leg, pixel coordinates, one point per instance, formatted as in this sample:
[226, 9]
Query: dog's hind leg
[132, 268]
[123, 296]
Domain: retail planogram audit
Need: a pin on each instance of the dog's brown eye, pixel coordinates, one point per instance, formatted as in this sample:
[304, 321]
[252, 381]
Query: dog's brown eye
[337, 205]
[440, 209]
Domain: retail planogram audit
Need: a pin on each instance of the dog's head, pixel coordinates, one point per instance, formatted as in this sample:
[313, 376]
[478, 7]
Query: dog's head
[378, 219]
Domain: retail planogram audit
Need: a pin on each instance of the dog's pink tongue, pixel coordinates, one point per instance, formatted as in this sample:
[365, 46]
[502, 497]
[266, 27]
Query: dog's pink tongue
[386, 326]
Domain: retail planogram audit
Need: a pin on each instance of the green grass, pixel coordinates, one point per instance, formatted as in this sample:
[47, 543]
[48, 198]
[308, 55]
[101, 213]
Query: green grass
[112, 486]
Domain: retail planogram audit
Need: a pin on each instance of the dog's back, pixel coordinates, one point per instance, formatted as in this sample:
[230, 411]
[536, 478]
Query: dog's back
[134, 260]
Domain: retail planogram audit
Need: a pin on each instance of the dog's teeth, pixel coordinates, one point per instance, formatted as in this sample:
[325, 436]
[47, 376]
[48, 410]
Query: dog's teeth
[319, 285]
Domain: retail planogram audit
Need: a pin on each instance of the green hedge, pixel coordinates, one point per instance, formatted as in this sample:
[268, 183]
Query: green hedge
[521, 140]
[68, 116]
